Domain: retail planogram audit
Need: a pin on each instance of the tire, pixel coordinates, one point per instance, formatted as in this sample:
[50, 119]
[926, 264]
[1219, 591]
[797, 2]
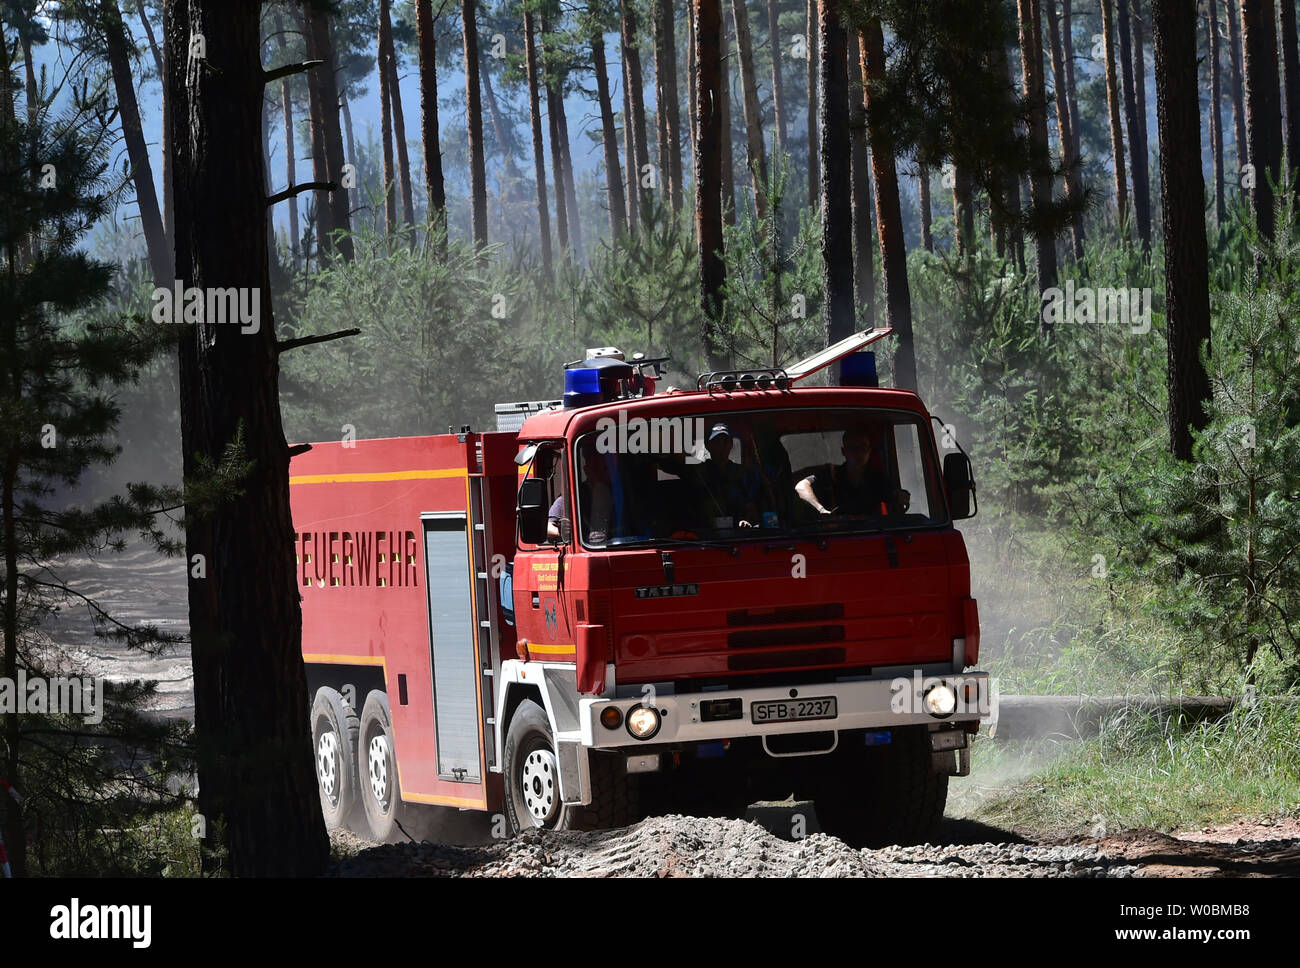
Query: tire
[381, 793]
[532, 781]
[334, 726]
[878, 796]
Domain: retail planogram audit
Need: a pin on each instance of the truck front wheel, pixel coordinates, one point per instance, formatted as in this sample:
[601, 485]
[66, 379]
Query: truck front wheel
[880, 795]
[532, 772]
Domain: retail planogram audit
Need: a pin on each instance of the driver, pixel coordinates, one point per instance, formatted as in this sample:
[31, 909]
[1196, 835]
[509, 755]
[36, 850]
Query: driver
[853, 487]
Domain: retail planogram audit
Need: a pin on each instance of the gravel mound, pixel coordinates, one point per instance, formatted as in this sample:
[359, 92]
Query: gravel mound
[678, 846]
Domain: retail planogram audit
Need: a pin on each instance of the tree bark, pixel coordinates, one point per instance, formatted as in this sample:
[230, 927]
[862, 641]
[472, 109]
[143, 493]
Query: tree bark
[474, 124]
[755, 155]
[386, 120]
[1137, 153]
[836, 176]
[160, 259]
[963, 209]
[778, 85]
[435, 187]
[1113, 107]
[1263, 106]
[251, 720]
[1216, 116]
[609, 139]
[1065, 123]
[863, 243]
[629, 142]
[1031, 55]
[814, 167]
[1067, 42]
[1236, 81]
[708, 178]
[889, 217]
[399, 123]
[1182, 197]
[690, 77]
[1140, 89]
[566, 166]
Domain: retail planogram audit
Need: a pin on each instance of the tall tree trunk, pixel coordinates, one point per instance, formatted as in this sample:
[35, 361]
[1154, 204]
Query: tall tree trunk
[566, 165]
[258, 782]
[863, 243]
[690, 77]
[728, 149]
[672, 106]
[963, 209]
[889, 216]
[778, 84]
[756, 158]
[1140, 89]
[661, 116]
[501, 129]
[609, 138]
[557, 164]
[636, 87]
[1236, 82]
[399, 123]
[1263, 106]
[164, 150]
[629, 142]
[1009, 190]
[386, 120]
[926, 210]
[1182, 201]
[1067, 42]
[708, 178]
[160, 259]
[290, 149]
[321, 47]
[1065, 123]
[1216, 116]
[1137, 154]
[539, 151]
[435, 187]
[316, 133]
[1031, 55]
[1291, 73]
[1112, 104]
[814, 168]
[474, 124]
[836, 175]
[345, 111]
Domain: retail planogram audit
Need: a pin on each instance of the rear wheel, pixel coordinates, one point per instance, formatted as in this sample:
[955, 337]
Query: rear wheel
[878, 795]
[334, 738]
[381, 794]
[532, 772]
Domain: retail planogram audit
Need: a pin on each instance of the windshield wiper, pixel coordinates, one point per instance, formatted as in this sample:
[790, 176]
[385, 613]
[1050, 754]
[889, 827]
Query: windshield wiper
[680, 543]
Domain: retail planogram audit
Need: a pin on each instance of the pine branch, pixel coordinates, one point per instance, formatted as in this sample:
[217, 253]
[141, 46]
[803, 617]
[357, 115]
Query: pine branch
[283, 346]
[288, 70]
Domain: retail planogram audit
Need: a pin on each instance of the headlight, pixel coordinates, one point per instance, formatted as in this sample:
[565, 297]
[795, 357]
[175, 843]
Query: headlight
[940, 701]
[643, 721]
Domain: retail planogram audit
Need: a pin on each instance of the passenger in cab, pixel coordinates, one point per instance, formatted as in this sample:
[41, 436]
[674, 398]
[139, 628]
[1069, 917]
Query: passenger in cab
[854, 486]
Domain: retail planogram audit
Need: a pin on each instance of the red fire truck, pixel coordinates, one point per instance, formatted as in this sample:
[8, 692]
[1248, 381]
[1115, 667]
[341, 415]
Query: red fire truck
[747, 590]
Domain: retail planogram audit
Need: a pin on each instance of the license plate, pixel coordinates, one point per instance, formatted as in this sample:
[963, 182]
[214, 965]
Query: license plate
[793, 710]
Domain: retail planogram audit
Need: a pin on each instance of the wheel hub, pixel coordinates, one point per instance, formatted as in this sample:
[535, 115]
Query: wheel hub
[377, 760]
[537, 781]
[327, 764]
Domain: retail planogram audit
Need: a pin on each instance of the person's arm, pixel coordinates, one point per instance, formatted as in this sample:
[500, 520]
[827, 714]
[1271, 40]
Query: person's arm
[553, 517]
[805, 491]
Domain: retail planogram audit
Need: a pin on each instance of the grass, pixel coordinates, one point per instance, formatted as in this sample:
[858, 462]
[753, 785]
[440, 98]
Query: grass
[1140, 772]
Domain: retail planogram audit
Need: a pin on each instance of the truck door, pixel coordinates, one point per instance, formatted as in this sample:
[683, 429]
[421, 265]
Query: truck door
[541, 612]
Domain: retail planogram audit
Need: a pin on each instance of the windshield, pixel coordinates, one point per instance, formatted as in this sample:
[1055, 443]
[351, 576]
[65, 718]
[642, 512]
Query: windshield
[755, 474]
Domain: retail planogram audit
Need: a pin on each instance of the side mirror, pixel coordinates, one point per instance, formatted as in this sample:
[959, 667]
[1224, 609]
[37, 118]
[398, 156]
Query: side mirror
[532, 511]
[961, 487]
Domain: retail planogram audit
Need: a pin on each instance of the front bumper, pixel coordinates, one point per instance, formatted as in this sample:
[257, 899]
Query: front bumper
[864, 704]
